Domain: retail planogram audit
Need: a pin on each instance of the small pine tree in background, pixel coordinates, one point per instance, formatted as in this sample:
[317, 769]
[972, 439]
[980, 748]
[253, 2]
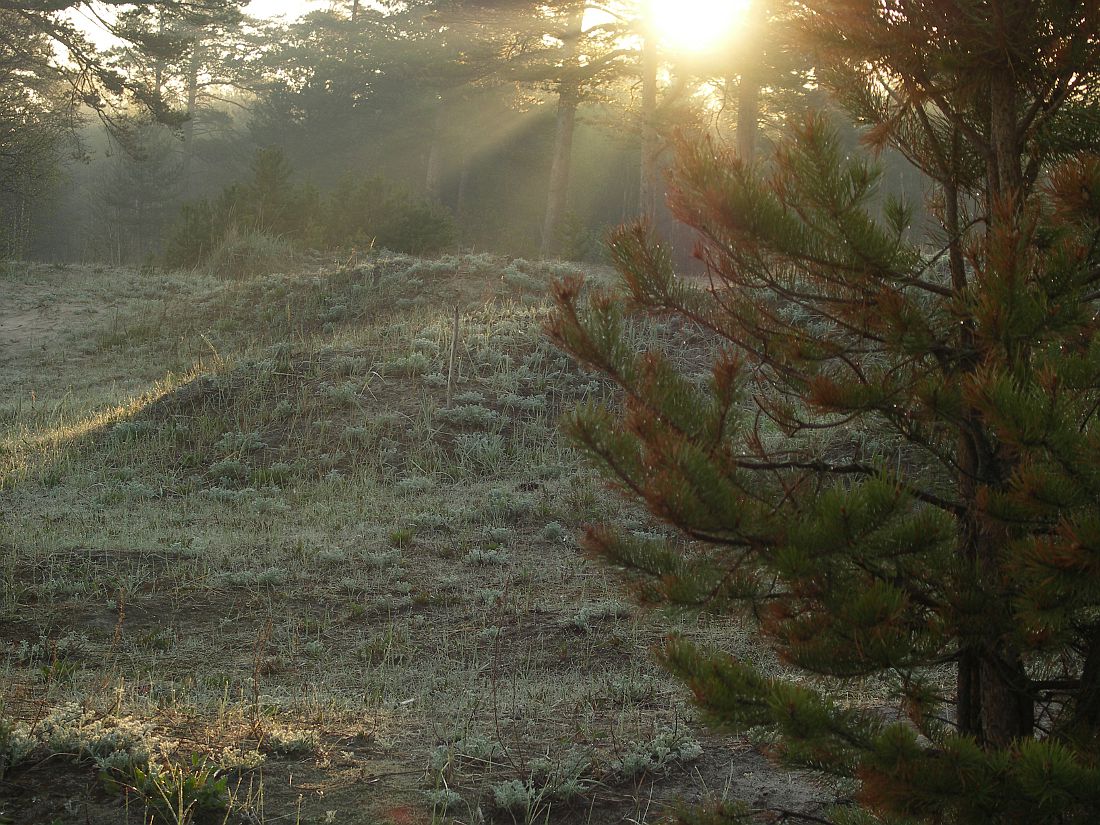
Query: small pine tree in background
[377, 212]
[894, 466]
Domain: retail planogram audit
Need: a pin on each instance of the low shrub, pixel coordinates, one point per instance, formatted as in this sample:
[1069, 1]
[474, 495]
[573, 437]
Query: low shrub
[248, 253]
[252, 227]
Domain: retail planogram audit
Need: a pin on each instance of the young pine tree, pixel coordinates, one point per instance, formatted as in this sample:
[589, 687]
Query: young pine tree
[895, 461]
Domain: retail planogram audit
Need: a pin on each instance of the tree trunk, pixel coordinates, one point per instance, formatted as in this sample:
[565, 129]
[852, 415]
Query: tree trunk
[1007, 704]
[1004, 166]
[462, 196]
[750, 59]
[994, 703]
[968, 702]
[968, 705]
[158, 63]
[568, 99]
[434, 179]
[748, 113]
[189, 124]
[1007, 710]
[651, 145]
[559, 172]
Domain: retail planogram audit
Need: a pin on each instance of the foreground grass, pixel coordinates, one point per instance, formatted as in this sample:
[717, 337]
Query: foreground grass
[243, 534]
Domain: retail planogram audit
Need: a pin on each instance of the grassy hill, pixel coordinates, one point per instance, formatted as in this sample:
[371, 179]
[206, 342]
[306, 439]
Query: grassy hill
[246, 539]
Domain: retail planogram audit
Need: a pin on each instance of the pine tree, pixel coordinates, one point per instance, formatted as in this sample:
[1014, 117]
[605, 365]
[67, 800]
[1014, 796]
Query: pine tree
[95, 79]
[187, 56]
[893, 466]
[35, 120]
[136, 196]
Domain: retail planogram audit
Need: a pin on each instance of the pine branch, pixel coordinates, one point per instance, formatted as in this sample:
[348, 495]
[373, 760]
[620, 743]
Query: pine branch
[855, 468]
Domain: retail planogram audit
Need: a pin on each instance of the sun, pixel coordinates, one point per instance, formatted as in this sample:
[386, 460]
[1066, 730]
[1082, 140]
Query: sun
[697, 25]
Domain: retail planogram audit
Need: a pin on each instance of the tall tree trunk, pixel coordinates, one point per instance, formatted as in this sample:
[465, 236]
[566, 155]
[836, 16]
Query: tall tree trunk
[462, 197]
[1008, 711]
[434, 179]
[968, 701]
[158, 63]
[748, 114]
[994, 702]
[189, 125]
[1004, 166]
[558, 195]
[568, 100]
[751, 59]
[1007, 704]
[651, 144]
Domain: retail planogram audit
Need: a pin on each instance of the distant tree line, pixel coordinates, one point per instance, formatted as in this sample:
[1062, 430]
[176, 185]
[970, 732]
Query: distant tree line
[518, 127]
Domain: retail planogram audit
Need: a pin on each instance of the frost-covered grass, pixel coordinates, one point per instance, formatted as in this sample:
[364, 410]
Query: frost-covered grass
[241, 522]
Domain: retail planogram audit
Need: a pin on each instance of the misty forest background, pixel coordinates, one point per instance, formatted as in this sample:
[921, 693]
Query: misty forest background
[524, 129]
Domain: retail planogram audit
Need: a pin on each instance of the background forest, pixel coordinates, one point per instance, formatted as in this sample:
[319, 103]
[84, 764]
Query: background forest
[518, 128]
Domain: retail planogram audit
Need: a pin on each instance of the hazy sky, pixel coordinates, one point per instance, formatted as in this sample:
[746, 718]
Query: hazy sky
[257, 8]
[684, 24]
[275, 8]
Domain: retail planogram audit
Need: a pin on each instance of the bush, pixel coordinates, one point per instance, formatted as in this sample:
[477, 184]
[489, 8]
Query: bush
[376, 212]
[193, 237]
[246, 254]
[422, 228]
[252, 226]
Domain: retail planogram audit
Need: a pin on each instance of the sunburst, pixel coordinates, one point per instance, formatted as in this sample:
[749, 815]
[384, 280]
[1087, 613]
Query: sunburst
[697, 25]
